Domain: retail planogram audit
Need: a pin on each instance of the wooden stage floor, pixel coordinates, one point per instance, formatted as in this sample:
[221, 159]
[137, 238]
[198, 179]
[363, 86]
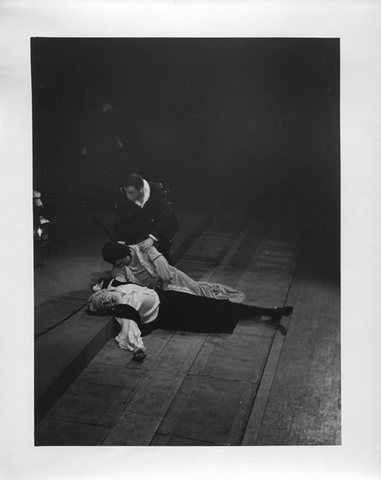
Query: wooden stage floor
[256, 386]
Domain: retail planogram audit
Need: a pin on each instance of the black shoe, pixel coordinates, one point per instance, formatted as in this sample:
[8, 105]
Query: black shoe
[282, 312]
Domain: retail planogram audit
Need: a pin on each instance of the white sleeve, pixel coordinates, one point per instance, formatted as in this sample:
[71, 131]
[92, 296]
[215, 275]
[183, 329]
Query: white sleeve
[130, 336]
[163, 269]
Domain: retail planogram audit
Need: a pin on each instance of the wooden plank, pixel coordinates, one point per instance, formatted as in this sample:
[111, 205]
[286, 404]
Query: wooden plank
[175, 441]
[52, 279]
[264, 286]
[242, 247]
[155, 342]
[303, 406]
[53, 311]
[319, 423]
[96, 403]
[211, 248]
[52, 354]
[239, 357]
[62, 433]
[214, 273]
[207, 409]
[101, 391]
[141, 418]
[265, 383]
[271, 289]
[60, 355]
[242, 414]
[256, 418]
[203, 406]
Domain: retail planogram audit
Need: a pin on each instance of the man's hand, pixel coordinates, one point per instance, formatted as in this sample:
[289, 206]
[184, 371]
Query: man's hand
[147, 243]
[139, 355]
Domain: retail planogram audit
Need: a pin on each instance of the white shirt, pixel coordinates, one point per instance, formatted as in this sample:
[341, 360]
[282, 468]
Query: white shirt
[146, 301]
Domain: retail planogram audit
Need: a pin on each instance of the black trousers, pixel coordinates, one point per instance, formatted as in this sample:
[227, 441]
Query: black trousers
[182, 311]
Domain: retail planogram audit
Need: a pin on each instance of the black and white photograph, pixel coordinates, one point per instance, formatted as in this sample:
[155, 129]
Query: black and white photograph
[205, 166]
[192, 213]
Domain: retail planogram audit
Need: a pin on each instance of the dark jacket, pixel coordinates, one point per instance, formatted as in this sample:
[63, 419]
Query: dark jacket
[134, 224]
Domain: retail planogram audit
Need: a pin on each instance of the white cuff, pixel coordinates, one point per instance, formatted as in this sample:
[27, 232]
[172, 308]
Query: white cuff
[129, 337]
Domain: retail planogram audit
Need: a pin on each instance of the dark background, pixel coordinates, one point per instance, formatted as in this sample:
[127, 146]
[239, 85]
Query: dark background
[252, 120]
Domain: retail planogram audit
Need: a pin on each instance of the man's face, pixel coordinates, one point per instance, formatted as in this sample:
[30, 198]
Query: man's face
[133, 193]
[123, 262]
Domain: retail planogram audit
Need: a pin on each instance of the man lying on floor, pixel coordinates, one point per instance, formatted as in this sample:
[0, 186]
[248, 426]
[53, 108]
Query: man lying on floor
[147, 267]
[140, 310]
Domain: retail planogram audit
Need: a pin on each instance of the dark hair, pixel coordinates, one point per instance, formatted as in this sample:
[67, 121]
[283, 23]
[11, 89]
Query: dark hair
[134, 180]
[113, 251]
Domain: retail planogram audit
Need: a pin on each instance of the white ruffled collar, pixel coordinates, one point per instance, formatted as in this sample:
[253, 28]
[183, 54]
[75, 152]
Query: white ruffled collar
[146, 194]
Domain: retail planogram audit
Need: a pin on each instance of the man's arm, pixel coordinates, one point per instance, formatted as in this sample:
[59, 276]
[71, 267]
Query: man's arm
[161, 265]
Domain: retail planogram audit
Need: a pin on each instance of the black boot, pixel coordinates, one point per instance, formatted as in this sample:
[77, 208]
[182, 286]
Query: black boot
[279, 312]
[247, 311]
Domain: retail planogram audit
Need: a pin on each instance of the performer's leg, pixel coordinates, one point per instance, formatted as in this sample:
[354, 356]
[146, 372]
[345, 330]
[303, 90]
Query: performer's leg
[248, 311]
[183, 311]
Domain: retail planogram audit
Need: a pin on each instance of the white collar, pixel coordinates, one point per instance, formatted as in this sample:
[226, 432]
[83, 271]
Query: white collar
[146, 194]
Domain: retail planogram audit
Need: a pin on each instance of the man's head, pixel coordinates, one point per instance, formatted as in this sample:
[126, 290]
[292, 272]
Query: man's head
[133, 186]
[116, 253]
